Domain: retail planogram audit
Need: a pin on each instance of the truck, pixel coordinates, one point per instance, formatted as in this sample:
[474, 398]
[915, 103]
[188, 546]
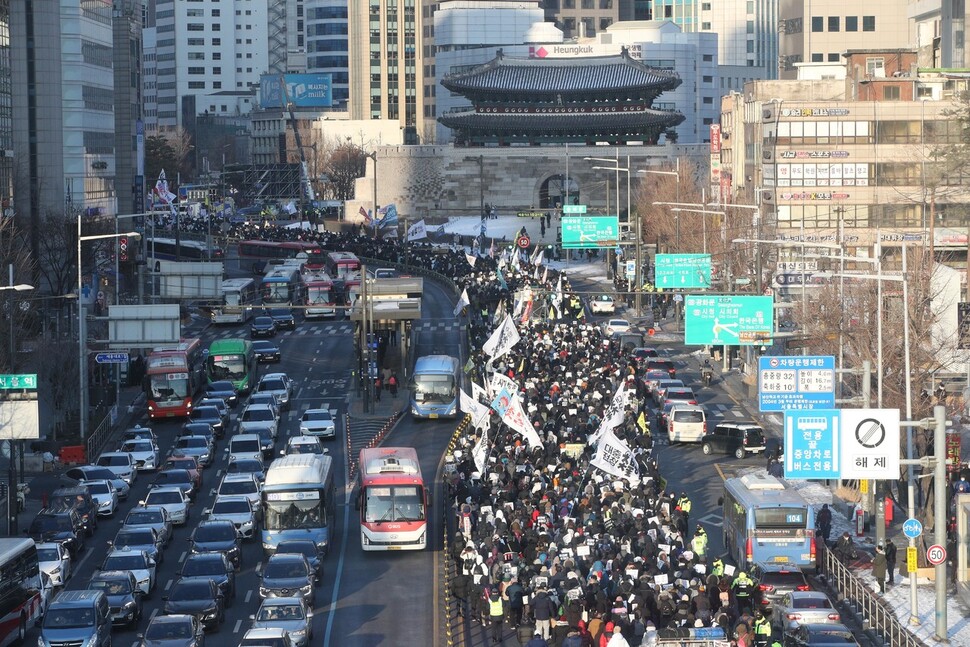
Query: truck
[434, 387]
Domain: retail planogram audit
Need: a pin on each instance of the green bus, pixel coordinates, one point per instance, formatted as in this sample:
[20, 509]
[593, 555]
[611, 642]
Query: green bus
[233, 360]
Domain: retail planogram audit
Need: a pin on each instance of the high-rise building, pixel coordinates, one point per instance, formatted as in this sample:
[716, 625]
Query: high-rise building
[326, 45]
[6, 112]
[286, 36]
[127, 52]
[586, 18]
[940, 30]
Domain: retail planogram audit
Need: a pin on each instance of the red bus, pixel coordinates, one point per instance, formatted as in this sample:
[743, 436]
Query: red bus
[320, 299]
[261, 252]
[21, 598]
[344, 269]
[392, 500]
[173, 375]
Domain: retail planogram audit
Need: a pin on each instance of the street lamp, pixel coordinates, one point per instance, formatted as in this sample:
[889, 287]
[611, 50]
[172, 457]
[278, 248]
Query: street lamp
[707, 212]
[81, 332]
[629, 214]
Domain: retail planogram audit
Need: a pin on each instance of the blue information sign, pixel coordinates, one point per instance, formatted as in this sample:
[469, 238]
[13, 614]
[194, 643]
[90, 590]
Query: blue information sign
[912, 528]
[111, 358]
[812, 444]
[796, 382]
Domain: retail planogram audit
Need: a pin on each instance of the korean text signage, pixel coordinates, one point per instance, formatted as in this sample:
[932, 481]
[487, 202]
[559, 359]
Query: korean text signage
[796, 382]
[682, 271]
[842, 443]
[730, 320]
[302, 90]
[581, 232]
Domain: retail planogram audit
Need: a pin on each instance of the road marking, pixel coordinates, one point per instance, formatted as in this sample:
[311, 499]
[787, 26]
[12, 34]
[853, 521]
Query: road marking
[154, 613]
[182, 557]
[712, 519]
[340, 569]
[249, 595]
[720, 472]
[237, 626]
[168, 584]
[77, 567]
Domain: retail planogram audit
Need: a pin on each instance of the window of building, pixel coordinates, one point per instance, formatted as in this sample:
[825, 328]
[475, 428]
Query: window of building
[568, 4]
[668, 11]
[852, 23]
[196, 41]
[216, 56]
[196, 56]
[216, 13]
[196, 70]
[868, 23]
[924, 93]
[196, 26]
[707, 121]
[875, 66]
[708, 79]
[196, 85]
[590, 26]
[216, 27]
[193, 13]
[216, 42]
[605, 23]
[217, 70]
[890, 93]
[750, 7]
[587, 4]
[818, 58]
[749, 45]
[834, 23]
[705, 26]
[817, 23]
[569, 24]
[708, 58]
[708, 101]
[750, 27]
[705, 6]
[606, 4]
[833, 58]
[217, 85]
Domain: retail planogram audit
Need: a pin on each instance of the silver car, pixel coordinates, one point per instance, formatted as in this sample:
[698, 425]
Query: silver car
[152, 516]
[173, 500]
[279, 385]
[318, 422]
[804, 608]
[291, 614]
[239, 510]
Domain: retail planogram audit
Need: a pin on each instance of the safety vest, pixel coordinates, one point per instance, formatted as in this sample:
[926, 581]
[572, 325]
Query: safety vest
[684, 504]
[717, 567]
[742, 584]
[762, 627]
[495, 607]
[699, 544]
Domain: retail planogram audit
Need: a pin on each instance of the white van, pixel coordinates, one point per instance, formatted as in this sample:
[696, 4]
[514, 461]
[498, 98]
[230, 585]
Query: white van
[686, 423]
[245, 446]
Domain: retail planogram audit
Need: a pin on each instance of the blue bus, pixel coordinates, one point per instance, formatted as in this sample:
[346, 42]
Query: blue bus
[298, 501]
[434, 388]
[767, 521]
[282, 285]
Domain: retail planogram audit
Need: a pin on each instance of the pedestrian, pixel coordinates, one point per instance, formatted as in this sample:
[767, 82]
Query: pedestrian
[537, 641]
[891, 561]
[392, 385]
[879, 568]
[496, 614]
[378, 385]
[844, 548]
[762, 629]
[543, 609]
[824, 521]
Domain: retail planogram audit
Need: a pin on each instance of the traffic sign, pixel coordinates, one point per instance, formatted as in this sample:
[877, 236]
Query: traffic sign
[730, 320]
[936, 554]
[582, 232]
[870, 444]
[812, 444]
[912, 528]
[681, 271]
[574, 208]
[111, 358]
[631, 270]
[796, 382]
[523, 242]
[23, 381]
[912, 559]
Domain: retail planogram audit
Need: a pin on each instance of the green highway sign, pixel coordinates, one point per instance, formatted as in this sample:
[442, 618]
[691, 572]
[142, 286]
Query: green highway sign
[574, 208]
[27, 381]
[682, 271]
[728, 320]
[582, 232]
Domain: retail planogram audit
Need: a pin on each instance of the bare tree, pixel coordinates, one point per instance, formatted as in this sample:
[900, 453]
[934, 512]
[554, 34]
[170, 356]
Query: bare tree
[57, 263]
[180, 142]
[57, 372]
[345, 164]
[13, 252]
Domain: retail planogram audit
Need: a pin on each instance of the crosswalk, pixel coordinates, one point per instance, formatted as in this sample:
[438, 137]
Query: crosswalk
[335, 329]
[721, 410]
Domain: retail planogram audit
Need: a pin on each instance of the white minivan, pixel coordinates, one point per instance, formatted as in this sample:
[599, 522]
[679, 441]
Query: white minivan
[686, 423]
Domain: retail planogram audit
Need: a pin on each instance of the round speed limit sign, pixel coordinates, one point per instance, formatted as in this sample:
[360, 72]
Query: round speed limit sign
[936, 554]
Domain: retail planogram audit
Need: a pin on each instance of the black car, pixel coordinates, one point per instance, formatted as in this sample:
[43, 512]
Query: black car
[80, 499]
[267, 351]
[283, 318]
[64, 527]
[200, 428]
[212, 566]
[217, 537]
[266, 441]
[222, 389]
[173, 631]
[124, 596]
[178, 477]
[199, 597]
[262, 327]
[211, 415]
[308, 549]
[737, 438]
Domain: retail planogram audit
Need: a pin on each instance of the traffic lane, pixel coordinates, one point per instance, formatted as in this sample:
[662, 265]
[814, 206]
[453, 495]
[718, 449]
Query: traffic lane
[438, 302]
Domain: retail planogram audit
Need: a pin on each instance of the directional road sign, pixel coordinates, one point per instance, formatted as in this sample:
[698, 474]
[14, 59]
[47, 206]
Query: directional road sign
[574, 208]
[812, 444]
[936, 554]
[111, 358]
[870, 444]
[682, 271]
[726, 319]
[581, 232]
[796, 382]
[25, 381]
[912, 528]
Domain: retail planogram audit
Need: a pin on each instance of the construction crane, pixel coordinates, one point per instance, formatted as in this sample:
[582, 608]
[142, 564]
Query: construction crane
[307, 194]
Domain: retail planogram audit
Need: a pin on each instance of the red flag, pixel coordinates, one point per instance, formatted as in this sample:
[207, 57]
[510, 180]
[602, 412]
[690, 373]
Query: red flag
[366, 215]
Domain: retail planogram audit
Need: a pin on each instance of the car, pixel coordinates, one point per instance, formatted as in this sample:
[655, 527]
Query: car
[198, 447]
[217, 536]
[303, 445]
[614, 326]
[177, 477]
[821, 635]
[200, 428]
[172, 499]
[139, 433]
[653, 377]
[143, 452]
[269, 637]
[679, 395]
[776, 579]
[213, 416]
[803, 608]
[124, 596]
[602, 304]
[267, 351]
[308, 549]
[199, 597]
[643, 353]
[55, 560]
[173, 631]
[266, 440]
[143, 538]
[318, 422]
[664, 414]
[221, 405]
[239, 509]
[278, 384]
[83, 473]
[265, 398]
[291, 614]
[155, 517]
[139, 562]
[262, 327]
[240, 485]
[64, 527]
[104, 495]
[247, 466]
[287, 575]
[737, 438]
[258, 415]
[120, 463]
[188, 463]
[246, 447]
[660, 391]
[213, 566]
[283, 318]
[686, 423]
[662, 365]
[224, 390]
[78, 498]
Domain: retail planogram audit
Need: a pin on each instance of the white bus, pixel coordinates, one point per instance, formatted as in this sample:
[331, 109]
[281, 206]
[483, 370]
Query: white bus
[239, 296]
[21, 598]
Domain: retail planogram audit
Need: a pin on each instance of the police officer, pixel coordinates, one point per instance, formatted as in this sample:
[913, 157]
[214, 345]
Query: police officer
[496, 614]
[762, 629]
[683, 503]
[743, 588]
[717, 567]
[699, 543]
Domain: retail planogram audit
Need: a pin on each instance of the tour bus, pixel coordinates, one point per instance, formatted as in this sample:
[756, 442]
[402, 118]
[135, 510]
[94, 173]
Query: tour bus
[392, 500]
[187, 250]
[434, 388]
[173, 375]
[282, 286]
[260, 252]
[233, 360]
[238, 298]
[766, 520]
[320, 299]
[298, 501]
[20, 589]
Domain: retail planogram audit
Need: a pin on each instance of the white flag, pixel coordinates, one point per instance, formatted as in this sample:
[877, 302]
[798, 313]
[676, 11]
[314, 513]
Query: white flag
[471, 258]
[418, 231]
[499, 382]
[290, 207]
[480, 452]
[479, 393]
[613, 456]
[613, 415]
[502, 340]
[516, 418]
[475, 409]
[462, 302]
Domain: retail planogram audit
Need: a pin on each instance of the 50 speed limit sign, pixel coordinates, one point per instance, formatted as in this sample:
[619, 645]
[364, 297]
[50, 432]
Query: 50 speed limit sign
[936, 554]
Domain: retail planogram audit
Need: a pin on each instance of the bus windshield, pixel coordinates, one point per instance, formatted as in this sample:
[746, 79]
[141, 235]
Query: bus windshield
[434, 388]
[319, 295]
[393, 503]
[227, 367]
[233, 299]
[295, 510]
[166, 388]
[276, 293]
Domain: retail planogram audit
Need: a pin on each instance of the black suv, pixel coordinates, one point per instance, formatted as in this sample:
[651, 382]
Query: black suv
[64, 527]
[738, 438]
[776, 580]
[283, 318]
[79, 499]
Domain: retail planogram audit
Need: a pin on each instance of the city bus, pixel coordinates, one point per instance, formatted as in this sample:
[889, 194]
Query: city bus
[392, 500]
[320, 299]
[238, 298]
[434, 388]
[260, 252]
[188, 250]
[344, 268]
[21, 601]
[282, 285]
[233, 360]
[173, 375]
[298, 501]
[766, 521]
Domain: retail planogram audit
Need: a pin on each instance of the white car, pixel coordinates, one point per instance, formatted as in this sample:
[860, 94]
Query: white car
[303, 445]
[602, 304]
[256, 416]
[55, 561]
[121, 465]
[143, 452]
[238, 509]
[240, 485]
[140, 563]
[279, 385]
[104, 496]
[614, 326]
[318, 422]
[173, 500]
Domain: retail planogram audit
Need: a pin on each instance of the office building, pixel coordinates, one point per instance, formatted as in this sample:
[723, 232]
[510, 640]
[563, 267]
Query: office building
[327, 47]
[129, 128]
[6, 113]
[587, 18]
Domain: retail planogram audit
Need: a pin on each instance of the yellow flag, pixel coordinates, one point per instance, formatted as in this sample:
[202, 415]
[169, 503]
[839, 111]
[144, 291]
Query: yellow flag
[642, 423]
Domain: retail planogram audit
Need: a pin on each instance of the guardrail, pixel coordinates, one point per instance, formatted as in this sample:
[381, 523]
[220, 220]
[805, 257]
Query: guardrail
[97, 440]
[454, 614]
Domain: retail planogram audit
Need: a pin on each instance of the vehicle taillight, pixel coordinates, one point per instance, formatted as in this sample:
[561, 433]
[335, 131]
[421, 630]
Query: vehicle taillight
[692, 402]
[704, 426]
[767, 588]
[793, 616]
[811, 548]
[749, 550]
[834, 617]
[803, 587]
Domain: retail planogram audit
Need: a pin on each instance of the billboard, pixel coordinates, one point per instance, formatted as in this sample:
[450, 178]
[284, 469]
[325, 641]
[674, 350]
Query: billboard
[303, 90]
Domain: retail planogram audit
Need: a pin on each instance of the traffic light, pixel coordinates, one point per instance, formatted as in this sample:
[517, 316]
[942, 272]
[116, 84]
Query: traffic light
[123, 249]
